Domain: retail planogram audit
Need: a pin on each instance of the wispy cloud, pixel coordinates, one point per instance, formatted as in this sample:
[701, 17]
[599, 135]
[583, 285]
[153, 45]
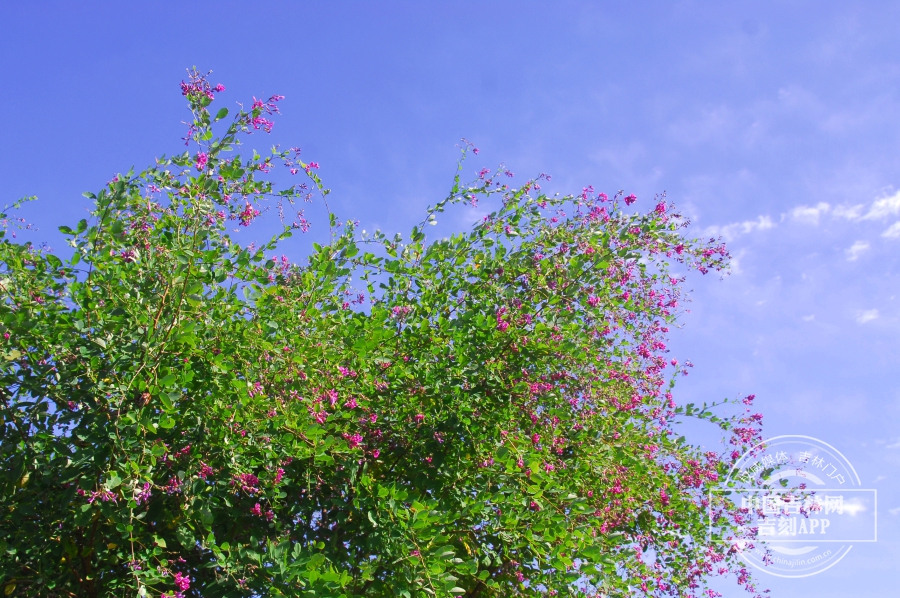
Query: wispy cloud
[849, 212]
[853, 507]
[882, 208]
[866, 315]
[810, 214]
[892, 232]
[857, 249]
[730, 231]
[813, 215]
[879, 209]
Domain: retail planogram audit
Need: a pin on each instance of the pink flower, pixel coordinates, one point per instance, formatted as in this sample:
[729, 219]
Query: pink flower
[220, 87]
[420, 417]
[182, 582]
[630, 199]
[174, 486]
[256, 510]
[502, 324]
[247, 216]
[143, 495]
[400, 311]
[279, 475]
[248, 482]
[103, 495]
[202, 158]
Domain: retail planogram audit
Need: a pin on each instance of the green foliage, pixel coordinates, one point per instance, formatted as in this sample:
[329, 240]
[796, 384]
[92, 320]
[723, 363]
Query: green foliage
[481, 415]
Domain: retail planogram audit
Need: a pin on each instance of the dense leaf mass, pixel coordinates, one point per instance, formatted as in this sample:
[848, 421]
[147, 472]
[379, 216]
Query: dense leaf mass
[488, 414]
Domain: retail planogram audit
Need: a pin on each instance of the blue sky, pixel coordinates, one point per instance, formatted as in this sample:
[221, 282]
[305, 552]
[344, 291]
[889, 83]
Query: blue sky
[773, 124]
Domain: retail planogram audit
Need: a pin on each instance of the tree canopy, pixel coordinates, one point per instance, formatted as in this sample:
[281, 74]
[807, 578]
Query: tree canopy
[485, 414]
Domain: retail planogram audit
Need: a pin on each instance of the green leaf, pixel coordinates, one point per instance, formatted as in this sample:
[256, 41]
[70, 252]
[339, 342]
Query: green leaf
[206, 517]
[185, 537]
[167, 402]
[127, 372]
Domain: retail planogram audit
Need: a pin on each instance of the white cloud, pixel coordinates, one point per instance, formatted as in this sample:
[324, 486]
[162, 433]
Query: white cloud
[854, 507]
[848, 212]
[893, 446]
[881, 208]
[736, 262]
[731, 231]
[867, 315]
[894, 512]
[878, 209]
[893, 231]
[810, 214]
[857, 249]
[809, 318]
[813, 214]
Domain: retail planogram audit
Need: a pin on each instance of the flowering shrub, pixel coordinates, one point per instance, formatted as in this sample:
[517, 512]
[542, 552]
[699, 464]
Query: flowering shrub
[485, 415]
